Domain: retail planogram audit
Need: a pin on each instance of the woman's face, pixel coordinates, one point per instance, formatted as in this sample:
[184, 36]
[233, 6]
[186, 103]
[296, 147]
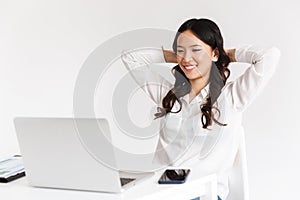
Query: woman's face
[194, 56]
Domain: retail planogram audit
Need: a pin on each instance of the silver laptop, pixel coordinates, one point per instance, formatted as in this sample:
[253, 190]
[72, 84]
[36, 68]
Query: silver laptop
[55, 155]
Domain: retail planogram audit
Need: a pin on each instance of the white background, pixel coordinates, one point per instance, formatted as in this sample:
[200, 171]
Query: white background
[44, 43]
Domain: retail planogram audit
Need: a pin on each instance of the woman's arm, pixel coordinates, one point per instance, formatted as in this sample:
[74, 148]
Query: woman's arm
[137, 63]
[243, 90]
[142, 57]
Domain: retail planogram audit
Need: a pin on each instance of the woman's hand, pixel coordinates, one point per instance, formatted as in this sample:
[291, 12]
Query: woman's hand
[231, 54]
[170, 56]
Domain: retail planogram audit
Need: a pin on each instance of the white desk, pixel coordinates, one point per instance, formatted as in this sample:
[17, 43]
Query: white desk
[196, 185]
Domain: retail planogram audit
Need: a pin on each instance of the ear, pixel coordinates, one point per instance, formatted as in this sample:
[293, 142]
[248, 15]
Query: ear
[215, 55]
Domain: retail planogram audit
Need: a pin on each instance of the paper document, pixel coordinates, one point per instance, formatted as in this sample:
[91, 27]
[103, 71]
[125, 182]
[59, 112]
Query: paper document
[11, 166]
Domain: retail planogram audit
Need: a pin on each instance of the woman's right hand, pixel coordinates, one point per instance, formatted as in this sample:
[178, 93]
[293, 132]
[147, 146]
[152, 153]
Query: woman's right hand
[169, 56]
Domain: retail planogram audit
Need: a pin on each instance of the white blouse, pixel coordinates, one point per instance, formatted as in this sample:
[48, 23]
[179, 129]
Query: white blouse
[182, 140]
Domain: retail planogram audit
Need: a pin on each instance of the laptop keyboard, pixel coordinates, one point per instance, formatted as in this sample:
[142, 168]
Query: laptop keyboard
[124, 181]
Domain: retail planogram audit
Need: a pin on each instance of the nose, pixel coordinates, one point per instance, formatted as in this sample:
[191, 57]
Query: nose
[186, 56]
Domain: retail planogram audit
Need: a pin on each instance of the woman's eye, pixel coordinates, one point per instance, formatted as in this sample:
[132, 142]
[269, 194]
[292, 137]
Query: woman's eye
[180, 51]
[196, 50]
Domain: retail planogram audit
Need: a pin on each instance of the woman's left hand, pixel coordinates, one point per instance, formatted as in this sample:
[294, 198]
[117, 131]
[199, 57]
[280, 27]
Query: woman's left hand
[231, 54]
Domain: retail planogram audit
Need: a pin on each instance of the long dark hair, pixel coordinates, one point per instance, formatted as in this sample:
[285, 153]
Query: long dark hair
[208, 32]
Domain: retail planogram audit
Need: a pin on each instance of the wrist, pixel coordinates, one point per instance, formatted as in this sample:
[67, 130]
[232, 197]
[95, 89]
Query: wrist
[231, 54]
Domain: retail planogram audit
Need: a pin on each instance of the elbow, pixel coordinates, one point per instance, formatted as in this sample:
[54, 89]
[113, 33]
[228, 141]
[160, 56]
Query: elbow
[124, 56]
[268, 61]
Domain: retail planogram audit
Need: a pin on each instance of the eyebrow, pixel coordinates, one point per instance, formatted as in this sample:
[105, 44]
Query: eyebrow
[194, 45]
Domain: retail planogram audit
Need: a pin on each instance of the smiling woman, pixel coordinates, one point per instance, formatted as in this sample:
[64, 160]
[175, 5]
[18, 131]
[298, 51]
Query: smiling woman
[197, 44]
[201, 113]
[193, 56]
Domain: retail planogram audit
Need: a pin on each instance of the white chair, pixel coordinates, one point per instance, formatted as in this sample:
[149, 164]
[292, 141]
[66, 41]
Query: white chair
[238, 177]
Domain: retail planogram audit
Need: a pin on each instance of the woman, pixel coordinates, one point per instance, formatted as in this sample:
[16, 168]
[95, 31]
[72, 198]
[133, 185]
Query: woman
[201, 113]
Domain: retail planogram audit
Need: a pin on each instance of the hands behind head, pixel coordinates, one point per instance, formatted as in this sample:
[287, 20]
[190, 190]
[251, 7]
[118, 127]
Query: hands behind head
[231, 54]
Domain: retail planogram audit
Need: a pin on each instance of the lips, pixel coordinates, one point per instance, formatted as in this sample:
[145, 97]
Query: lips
[189, 67]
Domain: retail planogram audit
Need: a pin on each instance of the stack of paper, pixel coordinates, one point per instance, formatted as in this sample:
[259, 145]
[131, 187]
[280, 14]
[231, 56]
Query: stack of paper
[11, 169]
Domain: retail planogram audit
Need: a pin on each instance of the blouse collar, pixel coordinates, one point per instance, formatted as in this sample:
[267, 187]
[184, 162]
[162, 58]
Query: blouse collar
[199, 98]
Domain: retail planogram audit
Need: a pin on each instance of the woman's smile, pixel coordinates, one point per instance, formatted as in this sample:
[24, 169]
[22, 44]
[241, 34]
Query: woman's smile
[189, 67]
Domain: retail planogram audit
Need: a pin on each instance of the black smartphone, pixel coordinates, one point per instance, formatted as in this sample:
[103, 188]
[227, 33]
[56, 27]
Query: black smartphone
[174, 176]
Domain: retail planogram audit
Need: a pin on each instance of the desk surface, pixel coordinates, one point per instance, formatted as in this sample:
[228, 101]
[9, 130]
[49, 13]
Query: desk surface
[196, 184]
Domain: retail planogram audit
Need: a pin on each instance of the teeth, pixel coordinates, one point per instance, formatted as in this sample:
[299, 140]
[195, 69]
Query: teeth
[189, 67]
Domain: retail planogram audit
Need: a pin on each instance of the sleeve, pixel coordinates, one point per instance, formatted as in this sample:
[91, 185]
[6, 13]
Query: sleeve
[138, 64]
[244, 89]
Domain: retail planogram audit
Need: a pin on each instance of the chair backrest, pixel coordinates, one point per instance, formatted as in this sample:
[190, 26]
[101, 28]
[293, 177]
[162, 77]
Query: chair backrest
[238, 176]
